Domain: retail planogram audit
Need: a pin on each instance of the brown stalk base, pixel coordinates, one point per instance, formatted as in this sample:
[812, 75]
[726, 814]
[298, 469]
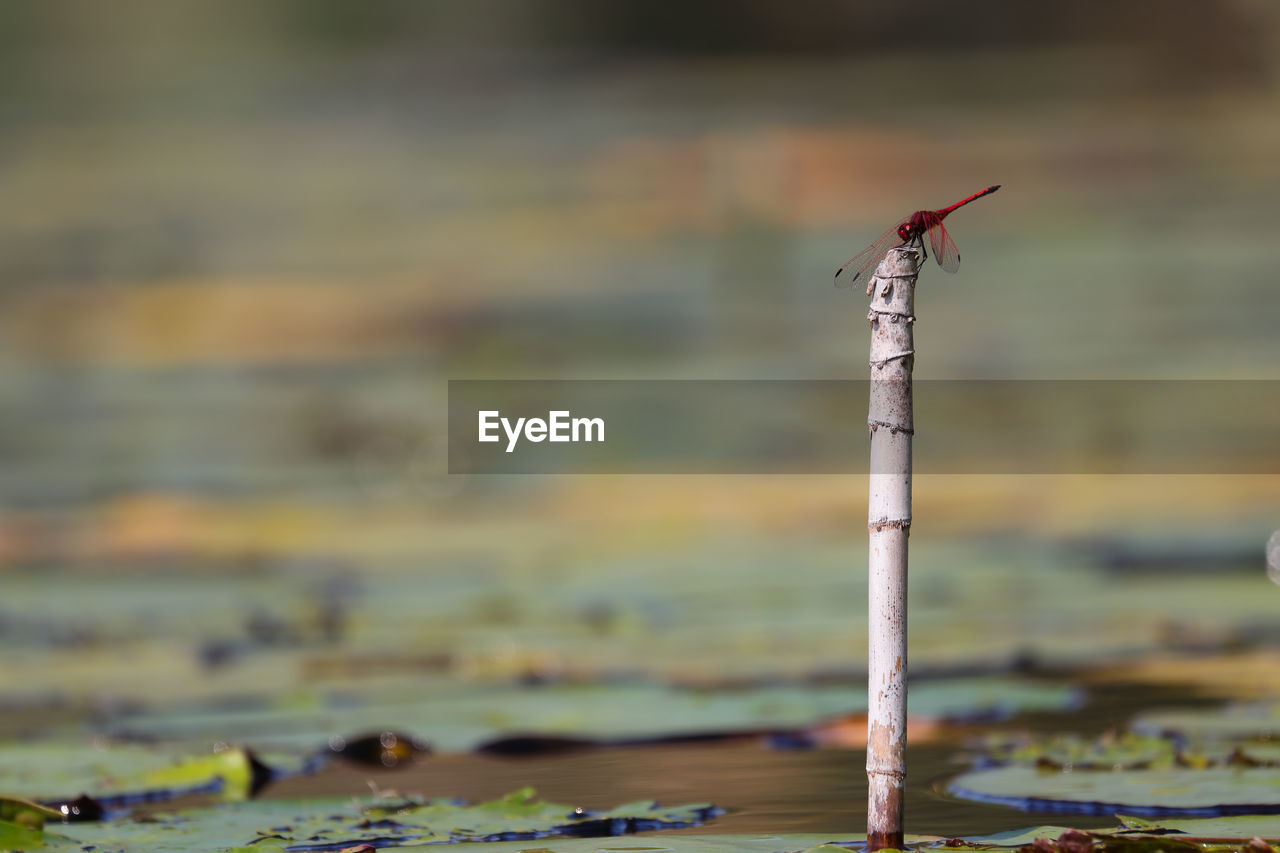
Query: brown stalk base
[883, 840]
[886, 810]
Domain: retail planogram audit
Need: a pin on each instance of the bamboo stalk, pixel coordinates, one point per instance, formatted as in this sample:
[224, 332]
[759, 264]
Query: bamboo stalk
[1273, 557]
[890, 420]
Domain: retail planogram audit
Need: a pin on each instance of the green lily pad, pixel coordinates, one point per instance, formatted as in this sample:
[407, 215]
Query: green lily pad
[154, 838]
[334, 824]
[459, 715]
[16, 837]
[26, 813]
[1141, 792]
[1018, 837]
[1130, 751]
[1238, 826]
[50, 771]
[999, 697]
[1234, 721]
[1071, 751]
[641, 844]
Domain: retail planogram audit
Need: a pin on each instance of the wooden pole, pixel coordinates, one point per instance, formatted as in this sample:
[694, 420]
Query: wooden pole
[889, 418]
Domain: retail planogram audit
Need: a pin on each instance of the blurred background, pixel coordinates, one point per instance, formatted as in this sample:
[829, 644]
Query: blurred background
[244, 245]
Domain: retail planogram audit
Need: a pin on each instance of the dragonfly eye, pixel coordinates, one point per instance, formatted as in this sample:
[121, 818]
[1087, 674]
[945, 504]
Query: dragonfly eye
[905, 231]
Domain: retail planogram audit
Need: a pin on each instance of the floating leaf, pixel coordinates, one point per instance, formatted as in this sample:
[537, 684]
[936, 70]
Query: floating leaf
[1128, 752]
[1074, 752]
[457, 716]
[26, 813]
[1018, 837]
[1232, 722]
[15, 837]
[335, 824]
[1129, 823]
[116, 772]
[231, 772]
[687, 844]
[1212, 791]
[1239, 826]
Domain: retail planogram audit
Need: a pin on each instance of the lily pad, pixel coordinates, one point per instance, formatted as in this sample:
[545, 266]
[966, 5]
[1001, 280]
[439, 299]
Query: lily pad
[336, 824]
[1130, 751]
[26, 813]
[1234, 721]
[1068, 751]
[1240, 826]
[50, 771]
[16, 837]
[1018, 837]
[459, 715]
[678, 844]
[1208, 792]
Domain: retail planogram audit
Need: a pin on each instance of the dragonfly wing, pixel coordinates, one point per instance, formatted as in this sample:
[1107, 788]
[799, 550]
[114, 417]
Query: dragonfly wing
[856, 268]
[944, 248]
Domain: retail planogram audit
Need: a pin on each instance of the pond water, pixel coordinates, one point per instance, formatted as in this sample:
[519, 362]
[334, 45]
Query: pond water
[763, 790]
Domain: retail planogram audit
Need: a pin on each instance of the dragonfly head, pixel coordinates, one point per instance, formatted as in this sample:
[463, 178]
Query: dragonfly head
[907, 231]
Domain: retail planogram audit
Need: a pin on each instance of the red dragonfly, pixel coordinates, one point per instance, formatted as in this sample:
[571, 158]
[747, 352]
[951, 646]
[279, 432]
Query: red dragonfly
[910, 232]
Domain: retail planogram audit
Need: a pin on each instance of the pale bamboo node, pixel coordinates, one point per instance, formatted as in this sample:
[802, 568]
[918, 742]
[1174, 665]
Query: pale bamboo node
[891, 424]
